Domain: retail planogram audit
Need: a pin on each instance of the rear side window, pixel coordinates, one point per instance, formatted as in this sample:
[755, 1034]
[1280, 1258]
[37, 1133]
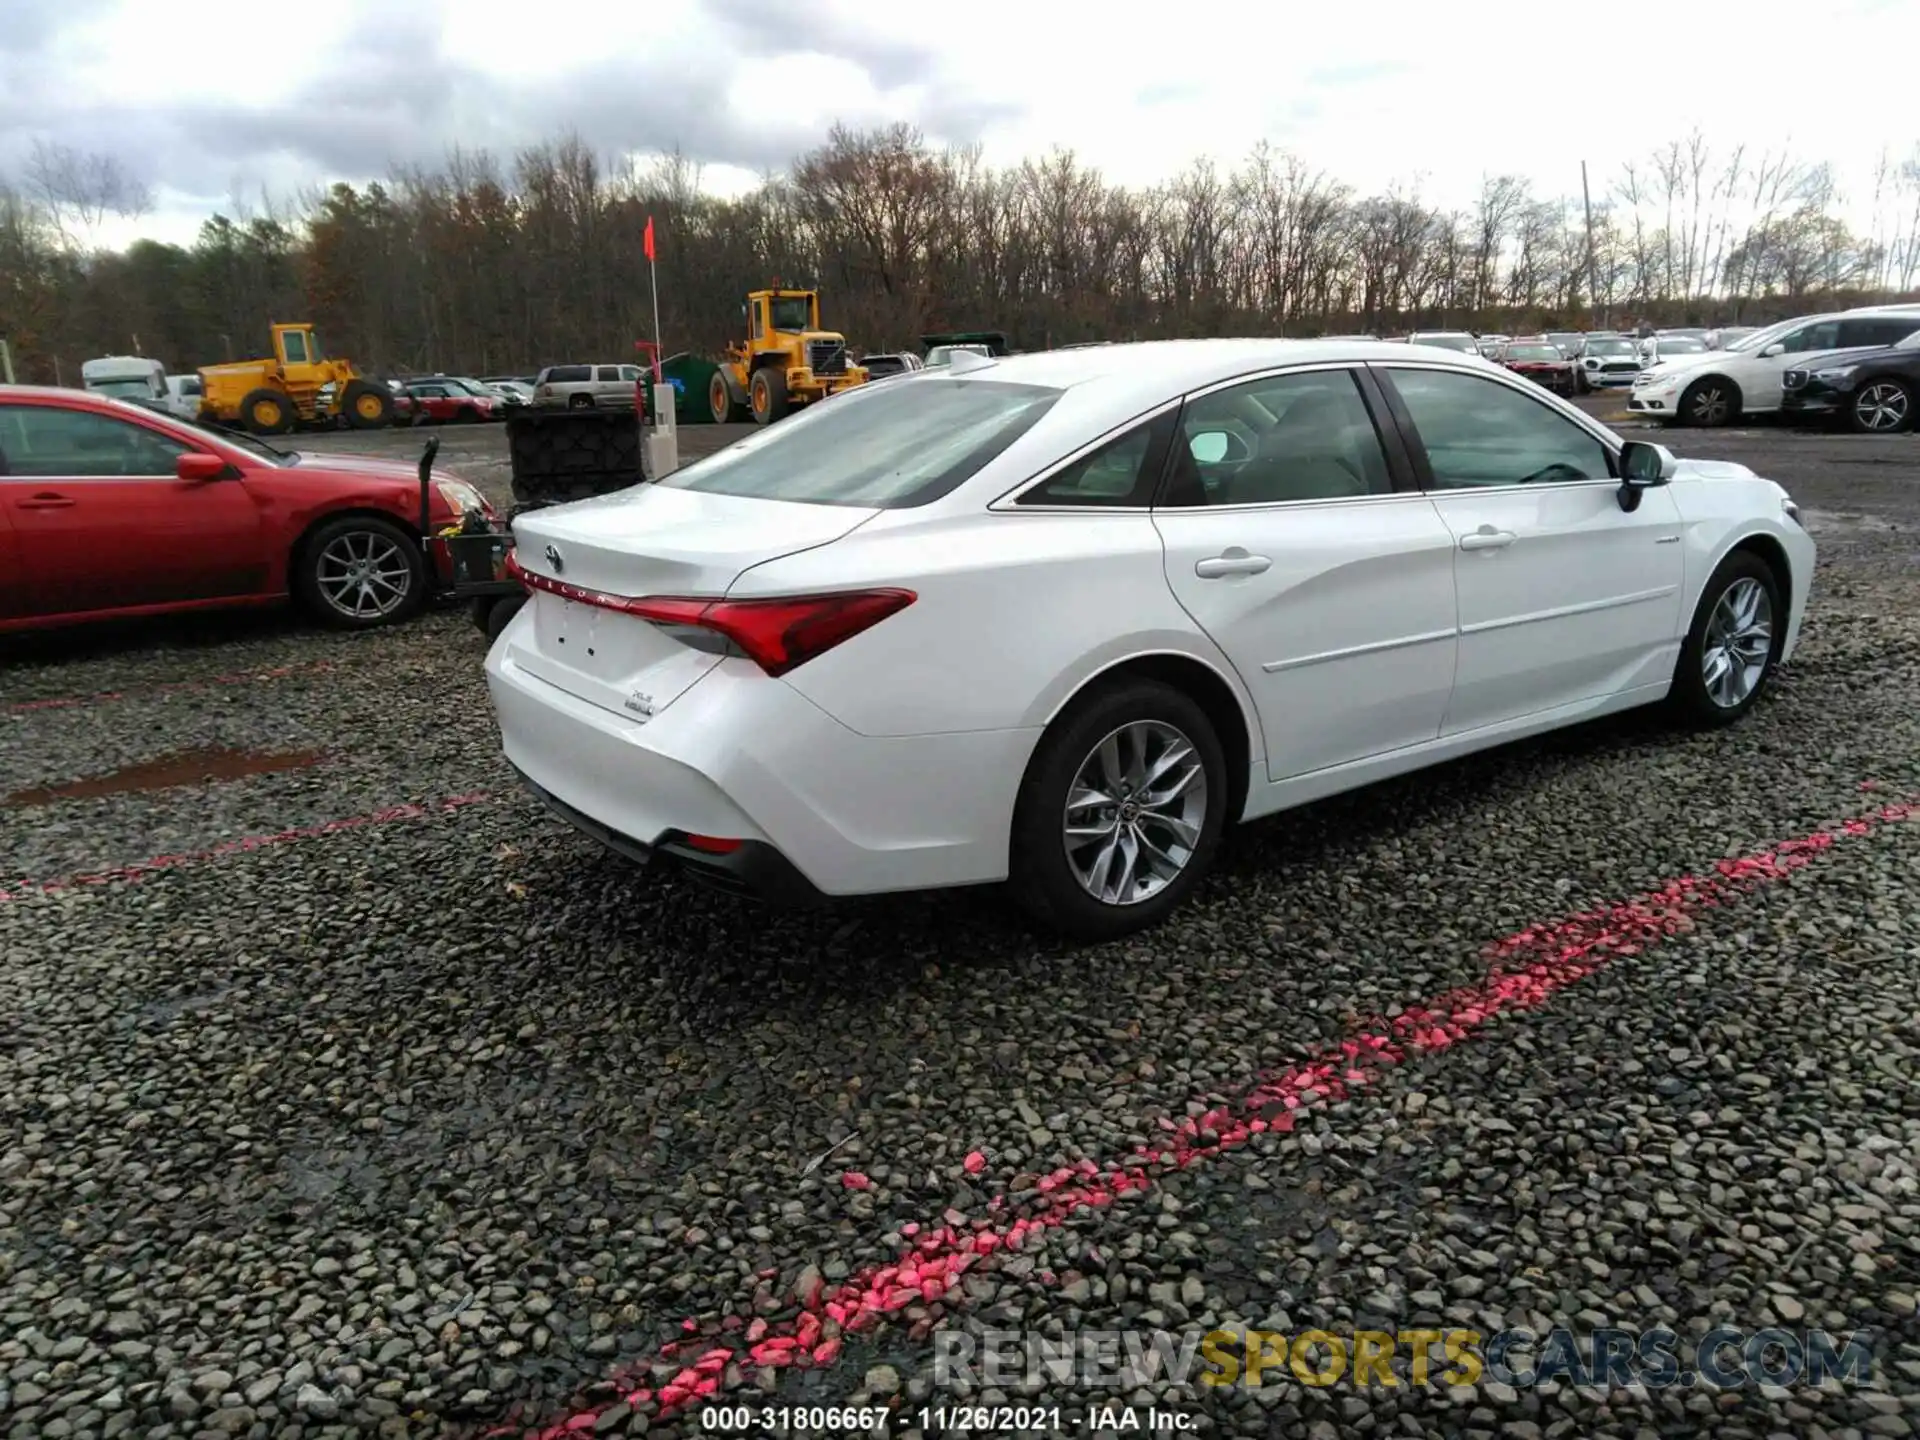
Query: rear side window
[609, 372]
[885, 446]
[1122, 472]
[566, 374]
[1889, 330]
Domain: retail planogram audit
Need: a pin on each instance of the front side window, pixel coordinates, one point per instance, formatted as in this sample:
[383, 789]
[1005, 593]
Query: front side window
[888, 446]
[1304, 436]
[44, 441]
[1480, 432]
[1823, 336]
[1121, 472]
[630, 373]
[607, 374]
[791, 313]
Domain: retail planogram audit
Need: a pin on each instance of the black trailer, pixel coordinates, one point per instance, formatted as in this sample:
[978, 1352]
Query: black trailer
[557, 456]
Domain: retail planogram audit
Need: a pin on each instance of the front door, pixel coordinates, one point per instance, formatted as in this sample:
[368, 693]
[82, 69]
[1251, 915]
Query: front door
[103, 522]
[1329, 590]
[1564, 597]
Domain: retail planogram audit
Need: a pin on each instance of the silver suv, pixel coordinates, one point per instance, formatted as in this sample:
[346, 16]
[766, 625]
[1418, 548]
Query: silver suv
[586, 387]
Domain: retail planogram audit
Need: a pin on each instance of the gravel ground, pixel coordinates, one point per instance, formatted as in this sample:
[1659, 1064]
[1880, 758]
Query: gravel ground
[376, 1102]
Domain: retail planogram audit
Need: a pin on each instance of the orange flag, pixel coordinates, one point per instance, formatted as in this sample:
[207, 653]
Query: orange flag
[649, 238]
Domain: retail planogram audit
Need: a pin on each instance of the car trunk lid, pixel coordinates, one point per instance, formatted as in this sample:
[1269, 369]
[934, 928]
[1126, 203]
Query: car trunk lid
[643, 542]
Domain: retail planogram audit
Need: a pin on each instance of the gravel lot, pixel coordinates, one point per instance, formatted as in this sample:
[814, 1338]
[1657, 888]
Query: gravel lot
[369, 1100]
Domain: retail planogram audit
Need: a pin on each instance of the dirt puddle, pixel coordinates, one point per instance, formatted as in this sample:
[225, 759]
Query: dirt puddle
[187, 767]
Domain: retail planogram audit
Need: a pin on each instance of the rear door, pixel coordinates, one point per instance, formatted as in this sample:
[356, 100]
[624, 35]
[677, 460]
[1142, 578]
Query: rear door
[1327, 583]
[102, 522]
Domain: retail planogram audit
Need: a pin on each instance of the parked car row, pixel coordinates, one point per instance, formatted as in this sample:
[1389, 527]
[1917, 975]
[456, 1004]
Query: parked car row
[1858, 365]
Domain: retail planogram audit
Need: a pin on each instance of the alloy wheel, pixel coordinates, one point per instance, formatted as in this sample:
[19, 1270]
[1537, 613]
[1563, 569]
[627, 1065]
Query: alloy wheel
[1134, 812]
[363, 575]
[1738, 643]
[1881, 406]
[1709, 406]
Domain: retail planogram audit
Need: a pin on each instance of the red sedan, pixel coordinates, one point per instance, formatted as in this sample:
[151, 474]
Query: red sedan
[108, 510]
[1542, 362]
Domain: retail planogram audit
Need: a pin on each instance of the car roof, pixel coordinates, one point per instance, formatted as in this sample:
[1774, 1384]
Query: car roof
[1177, 366]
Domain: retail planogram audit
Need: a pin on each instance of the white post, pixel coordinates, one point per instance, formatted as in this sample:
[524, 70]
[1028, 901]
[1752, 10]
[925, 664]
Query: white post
[663, 442]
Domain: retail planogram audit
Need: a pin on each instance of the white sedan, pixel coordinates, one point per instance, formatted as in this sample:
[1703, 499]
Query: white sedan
[1055, 619]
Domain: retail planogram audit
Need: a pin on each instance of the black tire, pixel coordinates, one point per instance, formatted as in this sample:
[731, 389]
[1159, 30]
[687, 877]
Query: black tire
[1040, 877]
[580, 402]
[267, 412]
[1883, 399]
[500, 614]
[767, 395]
[1580, 385]
[366, 407]
[720, 402]
[468, 415]
[1691, 698]
[319, 562]
[1709, 403]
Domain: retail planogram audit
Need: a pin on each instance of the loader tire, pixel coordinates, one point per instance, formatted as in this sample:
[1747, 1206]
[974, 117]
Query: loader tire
[367, 407]
[267, 412]
[720, 401]
[768, 395]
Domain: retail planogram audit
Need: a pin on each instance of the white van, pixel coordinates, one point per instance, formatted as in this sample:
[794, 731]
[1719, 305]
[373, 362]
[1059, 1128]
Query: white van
[183, 396]
[128, 377]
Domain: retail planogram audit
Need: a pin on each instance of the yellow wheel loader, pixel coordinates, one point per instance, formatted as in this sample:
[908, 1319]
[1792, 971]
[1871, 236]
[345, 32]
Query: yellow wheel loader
[272, 396]
[787, 360]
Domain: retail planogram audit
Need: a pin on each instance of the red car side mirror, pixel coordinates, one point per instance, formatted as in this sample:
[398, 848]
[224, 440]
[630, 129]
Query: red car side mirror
[195, 465]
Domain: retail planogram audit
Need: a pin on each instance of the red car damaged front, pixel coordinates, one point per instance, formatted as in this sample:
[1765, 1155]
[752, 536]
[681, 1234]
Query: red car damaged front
[1543, 363]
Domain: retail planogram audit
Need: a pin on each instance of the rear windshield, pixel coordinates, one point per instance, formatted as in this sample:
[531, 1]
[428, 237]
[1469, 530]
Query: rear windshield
[891, 446]
[563, 374]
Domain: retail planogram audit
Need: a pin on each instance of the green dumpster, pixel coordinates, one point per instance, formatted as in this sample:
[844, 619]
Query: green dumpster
[691, 377]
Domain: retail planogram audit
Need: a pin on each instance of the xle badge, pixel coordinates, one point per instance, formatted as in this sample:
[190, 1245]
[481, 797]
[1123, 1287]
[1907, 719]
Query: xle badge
[641, 704]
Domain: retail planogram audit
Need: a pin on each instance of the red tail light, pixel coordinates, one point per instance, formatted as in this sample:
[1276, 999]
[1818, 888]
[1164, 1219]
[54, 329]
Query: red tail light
[777, 634]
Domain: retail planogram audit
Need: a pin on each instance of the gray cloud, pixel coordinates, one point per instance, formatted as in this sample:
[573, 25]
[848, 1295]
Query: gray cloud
[393, 97]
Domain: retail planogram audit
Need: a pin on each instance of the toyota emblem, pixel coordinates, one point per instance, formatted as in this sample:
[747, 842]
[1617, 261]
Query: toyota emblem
[553, 559]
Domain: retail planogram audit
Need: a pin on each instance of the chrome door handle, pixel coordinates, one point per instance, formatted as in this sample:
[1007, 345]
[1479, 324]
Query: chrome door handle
[1233, 561]
[1487, 538]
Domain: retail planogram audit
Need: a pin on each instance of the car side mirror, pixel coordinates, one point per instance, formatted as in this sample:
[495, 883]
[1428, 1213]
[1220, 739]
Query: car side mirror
[1643, 466]
[1213, 447]
[1772, 350]
[197, 465]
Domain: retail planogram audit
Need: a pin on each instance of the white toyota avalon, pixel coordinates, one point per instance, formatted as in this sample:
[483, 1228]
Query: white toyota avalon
[1055, 619]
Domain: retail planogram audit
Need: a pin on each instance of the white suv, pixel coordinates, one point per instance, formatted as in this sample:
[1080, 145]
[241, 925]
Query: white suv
[1721, 386]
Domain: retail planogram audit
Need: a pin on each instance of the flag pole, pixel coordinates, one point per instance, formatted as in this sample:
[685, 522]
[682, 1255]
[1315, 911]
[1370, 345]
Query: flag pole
[653, 276]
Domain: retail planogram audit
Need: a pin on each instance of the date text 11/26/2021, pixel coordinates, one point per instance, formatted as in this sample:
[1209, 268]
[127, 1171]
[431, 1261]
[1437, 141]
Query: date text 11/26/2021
[1093, 1421]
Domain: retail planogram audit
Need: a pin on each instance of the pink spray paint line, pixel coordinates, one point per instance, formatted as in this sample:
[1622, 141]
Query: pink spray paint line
[170, 687]
[1526, 970]
[140, 869]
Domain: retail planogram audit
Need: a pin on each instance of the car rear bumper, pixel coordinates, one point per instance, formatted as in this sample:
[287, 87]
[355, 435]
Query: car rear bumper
[740, 757]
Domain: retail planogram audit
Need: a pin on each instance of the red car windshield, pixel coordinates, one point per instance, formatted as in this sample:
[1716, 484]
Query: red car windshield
[1533, 352]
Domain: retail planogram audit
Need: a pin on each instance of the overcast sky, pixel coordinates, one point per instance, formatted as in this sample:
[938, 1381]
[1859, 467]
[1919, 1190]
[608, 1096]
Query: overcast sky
[1373, 92]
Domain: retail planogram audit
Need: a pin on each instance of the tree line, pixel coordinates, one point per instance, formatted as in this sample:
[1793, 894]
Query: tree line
[483, 265]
